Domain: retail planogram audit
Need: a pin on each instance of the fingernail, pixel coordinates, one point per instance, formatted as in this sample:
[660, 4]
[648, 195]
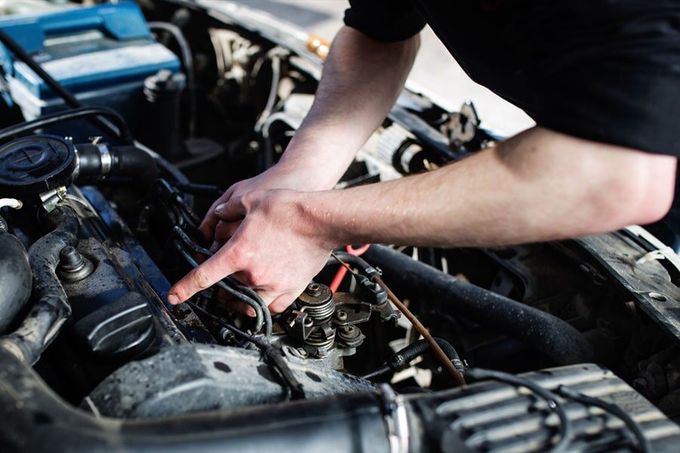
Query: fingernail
[215, 247]
[219, 209]
[250, 312]
[172, 299]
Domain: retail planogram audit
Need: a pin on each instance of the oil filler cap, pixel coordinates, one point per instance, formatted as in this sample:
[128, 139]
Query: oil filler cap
[33, 165]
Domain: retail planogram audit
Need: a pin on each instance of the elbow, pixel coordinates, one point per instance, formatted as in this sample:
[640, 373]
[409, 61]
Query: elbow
[642, 195]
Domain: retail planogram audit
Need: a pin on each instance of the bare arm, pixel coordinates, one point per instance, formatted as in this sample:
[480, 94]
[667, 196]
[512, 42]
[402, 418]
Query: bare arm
[538, 186]
[361, 80]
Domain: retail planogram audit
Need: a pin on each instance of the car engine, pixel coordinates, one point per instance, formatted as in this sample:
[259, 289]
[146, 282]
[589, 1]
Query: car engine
[122, 122]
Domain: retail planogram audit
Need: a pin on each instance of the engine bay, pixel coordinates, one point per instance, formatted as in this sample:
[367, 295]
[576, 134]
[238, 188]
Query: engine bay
[121, 123]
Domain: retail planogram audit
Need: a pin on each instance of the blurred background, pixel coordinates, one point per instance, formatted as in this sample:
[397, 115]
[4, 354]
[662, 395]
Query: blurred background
[435, 73]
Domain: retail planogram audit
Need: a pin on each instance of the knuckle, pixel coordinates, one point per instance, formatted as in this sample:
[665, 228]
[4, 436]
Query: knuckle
[201, 278]
[179, 291]
[237, 256]
[257, 278]
[246, 199]
[247, 277]
[281, 303]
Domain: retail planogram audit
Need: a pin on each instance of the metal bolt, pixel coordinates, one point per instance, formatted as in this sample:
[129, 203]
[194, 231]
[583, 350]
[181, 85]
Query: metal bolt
[73, 266]
[70, 260]
[313, 289]
[341, 315]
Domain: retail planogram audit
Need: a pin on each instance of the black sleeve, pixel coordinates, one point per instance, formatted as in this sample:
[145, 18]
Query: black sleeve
[613, 76]
[385, 20]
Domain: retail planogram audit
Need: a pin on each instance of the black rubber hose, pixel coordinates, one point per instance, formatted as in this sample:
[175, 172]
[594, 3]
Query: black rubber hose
[401, 358]
[163, 164]
[55, 86]
[545, 333]
[357, 261]
[125, 161]
[51, 308]
[187, 62]
[15, 279]
[122, 132]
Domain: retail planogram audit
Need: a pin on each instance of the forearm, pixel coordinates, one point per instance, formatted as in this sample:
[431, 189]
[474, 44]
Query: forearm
[538, 186]
[361, 80]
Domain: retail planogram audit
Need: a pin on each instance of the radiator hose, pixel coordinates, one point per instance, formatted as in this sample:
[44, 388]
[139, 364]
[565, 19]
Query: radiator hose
[51, 308]
[545, 333]
[15, 279]
[97, 161]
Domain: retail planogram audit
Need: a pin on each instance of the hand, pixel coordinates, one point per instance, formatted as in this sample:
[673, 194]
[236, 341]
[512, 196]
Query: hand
[273, 249]
[217, 231]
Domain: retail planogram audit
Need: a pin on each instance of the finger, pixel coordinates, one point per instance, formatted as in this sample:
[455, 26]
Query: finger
[225, 230]
[204, 276]
[232, 210]
[207, 226]
[235, 305]
[282, 302]
[240, 307]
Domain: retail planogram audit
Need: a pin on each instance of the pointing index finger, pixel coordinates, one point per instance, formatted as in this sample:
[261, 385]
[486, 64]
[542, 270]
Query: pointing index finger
[202, 277]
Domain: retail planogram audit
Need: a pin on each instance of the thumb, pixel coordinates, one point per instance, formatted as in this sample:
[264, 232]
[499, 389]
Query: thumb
[204, 276]
[232, 210]
[207, 226]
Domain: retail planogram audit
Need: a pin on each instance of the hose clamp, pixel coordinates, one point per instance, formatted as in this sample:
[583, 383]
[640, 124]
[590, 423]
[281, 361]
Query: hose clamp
[106, 158]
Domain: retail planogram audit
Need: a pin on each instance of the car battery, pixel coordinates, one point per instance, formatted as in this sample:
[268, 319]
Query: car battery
[101, 54]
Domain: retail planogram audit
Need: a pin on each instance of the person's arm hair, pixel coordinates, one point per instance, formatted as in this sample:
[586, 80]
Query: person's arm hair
[538, 186]
[361, 80]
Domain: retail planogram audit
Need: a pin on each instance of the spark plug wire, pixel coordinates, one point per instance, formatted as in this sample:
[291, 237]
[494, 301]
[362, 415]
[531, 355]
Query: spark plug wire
[342, 271]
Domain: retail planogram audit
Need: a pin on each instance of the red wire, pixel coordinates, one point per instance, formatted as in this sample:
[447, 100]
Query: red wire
[342, 271]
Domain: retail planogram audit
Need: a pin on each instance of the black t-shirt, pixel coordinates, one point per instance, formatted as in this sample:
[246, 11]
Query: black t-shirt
[603, 70]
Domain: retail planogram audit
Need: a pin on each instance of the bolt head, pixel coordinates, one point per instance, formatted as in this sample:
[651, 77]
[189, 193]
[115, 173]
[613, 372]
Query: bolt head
[313, 289]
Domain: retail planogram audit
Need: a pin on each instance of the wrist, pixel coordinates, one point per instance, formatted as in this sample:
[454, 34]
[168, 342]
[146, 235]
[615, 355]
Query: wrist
[314, 219]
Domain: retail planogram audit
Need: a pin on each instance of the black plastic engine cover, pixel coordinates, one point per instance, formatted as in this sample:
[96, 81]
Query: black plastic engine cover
[197, 378]
[122, 328]
[494, 416]
[32, 165]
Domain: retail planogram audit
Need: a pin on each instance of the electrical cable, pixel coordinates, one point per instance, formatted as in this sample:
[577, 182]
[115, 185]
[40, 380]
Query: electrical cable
[634, 427]
[122, 130]
[566, 429]
[235, 283]
[273, 89]
[229, 285]
[187, 62]
[200, 189]
[272, 355]
[163, 164]
[261, 320]
[420, 328]
[342, 271]
[404, 356]
[69, 99]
